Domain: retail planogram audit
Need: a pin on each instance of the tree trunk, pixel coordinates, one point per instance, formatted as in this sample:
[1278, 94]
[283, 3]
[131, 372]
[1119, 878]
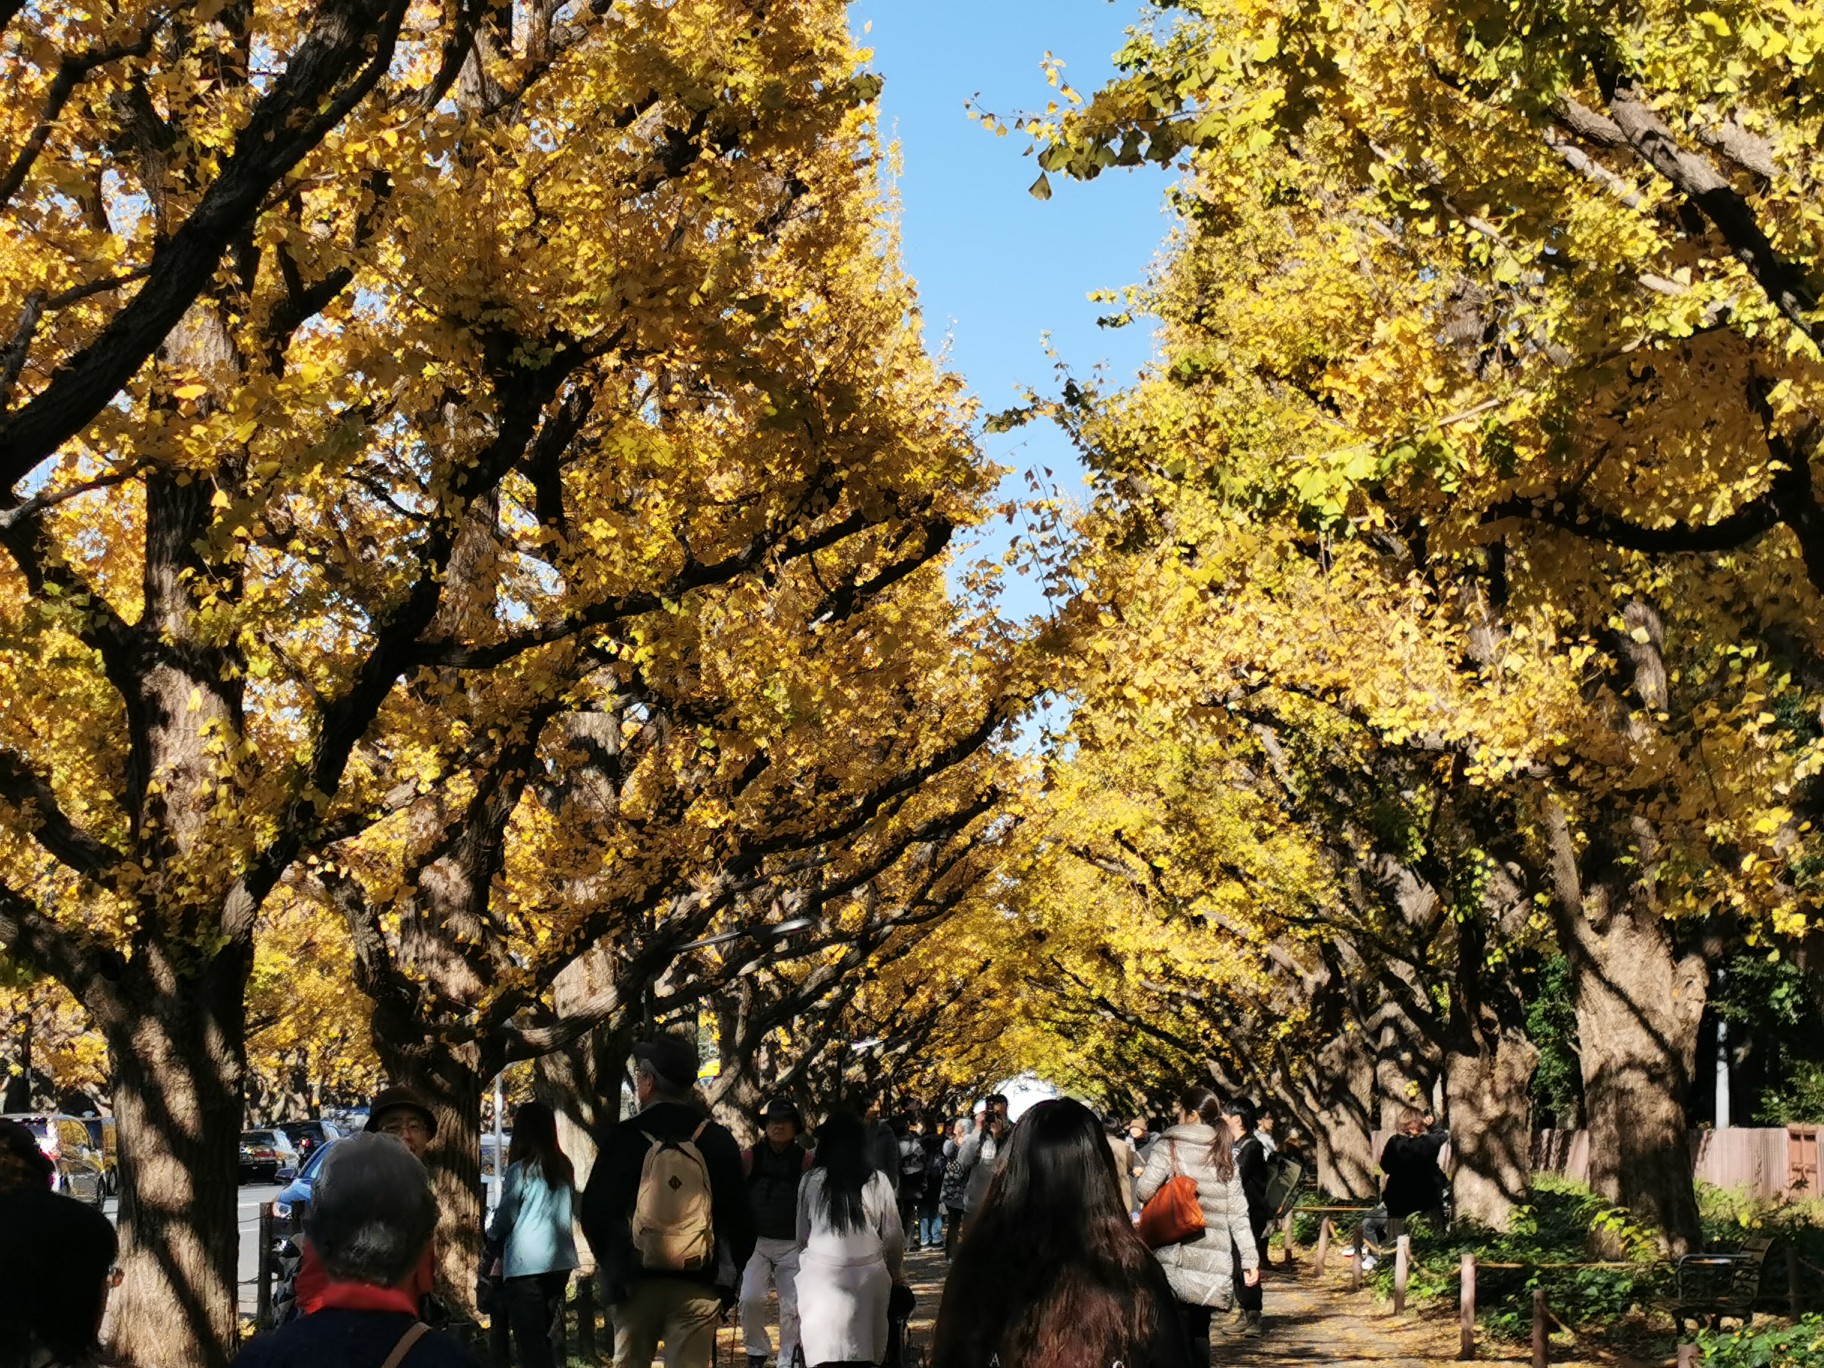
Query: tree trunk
[1345, 1161]
[1488, 1083]
[1488, 1075]
[1638, 1008]
[179, 1060]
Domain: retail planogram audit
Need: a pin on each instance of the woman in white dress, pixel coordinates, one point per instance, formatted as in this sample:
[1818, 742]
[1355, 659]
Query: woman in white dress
[850, 1243]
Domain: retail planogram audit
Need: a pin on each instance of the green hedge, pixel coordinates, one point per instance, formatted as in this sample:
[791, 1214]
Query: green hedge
[1776, 1344]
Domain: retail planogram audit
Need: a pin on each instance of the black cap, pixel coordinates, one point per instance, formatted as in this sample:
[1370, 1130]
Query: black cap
[781, 1109]
[387, 1099]
[670, 1055]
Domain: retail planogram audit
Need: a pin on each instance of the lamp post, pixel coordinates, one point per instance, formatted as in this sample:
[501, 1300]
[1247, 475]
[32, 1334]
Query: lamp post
[769, 930]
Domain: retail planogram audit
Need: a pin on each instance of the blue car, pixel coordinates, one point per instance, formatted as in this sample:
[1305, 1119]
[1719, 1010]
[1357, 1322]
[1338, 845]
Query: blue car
[288, 1206]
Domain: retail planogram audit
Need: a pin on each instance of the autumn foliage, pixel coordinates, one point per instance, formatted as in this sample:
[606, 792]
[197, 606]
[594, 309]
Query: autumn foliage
[478, 579]
[1452, 582]
[474, 474]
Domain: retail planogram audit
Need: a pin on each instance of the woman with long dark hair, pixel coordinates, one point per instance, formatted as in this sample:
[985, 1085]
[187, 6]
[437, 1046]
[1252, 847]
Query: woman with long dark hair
[1201, 1269]
[535, 1242]
[850, 1244]
[1050, 1273]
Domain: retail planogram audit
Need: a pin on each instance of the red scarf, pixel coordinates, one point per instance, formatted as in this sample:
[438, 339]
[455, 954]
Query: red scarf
[348, 1296]
[312, 1284]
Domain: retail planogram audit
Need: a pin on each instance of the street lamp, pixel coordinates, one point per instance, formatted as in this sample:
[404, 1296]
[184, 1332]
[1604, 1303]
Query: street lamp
[767, 929]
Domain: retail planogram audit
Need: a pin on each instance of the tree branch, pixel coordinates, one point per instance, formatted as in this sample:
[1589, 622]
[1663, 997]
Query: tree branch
[1574, 516]
[1637, 125]
[75, 958]
[314, 93]
[71, 71]
[86, 855]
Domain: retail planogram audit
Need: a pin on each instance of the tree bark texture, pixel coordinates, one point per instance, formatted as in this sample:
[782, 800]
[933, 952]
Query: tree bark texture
[1488, 1082]
[1488, 1073]
[1638, 1005]
[1345, 1161]
[178, 1055]
[450, 1080]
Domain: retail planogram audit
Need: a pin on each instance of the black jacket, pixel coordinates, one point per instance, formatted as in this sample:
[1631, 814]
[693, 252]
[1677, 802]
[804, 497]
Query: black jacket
[614, 1186]
[338, 1338]
[1415, 1183]
[1251, 1164]
[772, 1189]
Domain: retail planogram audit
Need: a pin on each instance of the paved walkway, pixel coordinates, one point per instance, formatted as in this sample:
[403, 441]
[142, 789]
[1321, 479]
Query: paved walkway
[1309, 1320]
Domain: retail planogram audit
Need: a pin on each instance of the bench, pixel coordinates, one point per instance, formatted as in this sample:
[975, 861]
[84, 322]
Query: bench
[1712, 1286]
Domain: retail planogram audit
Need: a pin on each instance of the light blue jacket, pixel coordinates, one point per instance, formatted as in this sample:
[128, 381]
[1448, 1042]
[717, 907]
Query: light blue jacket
[533, 1224]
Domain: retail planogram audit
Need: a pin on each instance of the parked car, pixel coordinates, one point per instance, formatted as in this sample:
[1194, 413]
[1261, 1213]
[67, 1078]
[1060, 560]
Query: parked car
[267, 1155]
[65, 1140]
[307, 1135]
[103, 1136]
[493, 1167]
[289, 1206]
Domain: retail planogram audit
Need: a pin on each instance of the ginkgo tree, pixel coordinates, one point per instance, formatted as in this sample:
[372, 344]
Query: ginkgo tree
[387, 388]
[1487, 419]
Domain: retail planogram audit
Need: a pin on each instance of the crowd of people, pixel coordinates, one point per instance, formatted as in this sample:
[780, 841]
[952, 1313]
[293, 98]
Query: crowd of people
[1073, 1241]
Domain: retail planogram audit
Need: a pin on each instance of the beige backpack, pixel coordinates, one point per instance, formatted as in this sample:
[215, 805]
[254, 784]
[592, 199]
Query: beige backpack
[673, 1217]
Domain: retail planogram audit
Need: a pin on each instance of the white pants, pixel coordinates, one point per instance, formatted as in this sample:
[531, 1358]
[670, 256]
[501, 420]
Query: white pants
[774, 1261]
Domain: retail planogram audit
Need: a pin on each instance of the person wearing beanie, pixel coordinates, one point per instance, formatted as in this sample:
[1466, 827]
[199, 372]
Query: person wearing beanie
[56, 1269]
[774, 1168]
[403, 1116]
[23, 1166]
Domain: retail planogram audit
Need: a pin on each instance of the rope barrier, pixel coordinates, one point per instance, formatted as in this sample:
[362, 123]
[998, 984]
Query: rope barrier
[1482, 1263]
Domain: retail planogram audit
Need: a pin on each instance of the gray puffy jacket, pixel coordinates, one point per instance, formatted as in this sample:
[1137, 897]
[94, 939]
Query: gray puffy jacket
[1201, 1271]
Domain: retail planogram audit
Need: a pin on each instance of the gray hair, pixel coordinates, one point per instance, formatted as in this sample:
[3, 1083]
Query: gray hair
[662, 1087]
[371, 1211]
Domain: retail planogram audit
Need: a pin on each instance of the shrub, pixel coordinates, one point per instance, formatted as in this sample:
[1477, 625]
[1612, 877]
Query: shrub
[1553, 1228]
[1796, 1345]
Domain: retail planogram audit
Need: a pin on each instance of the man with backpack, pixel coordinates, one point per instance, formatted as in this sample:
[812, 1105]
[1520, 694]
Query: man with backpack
[667, 1215]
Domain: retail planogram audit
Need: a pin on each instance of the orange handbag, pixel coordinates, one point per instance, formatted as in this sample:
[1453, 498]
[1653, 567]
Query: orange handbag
[1173, 1214]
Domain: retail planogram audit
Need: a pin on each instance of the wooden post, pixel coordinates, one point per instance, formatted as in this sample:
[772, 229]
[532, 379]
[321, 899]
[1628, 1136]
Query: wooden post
[585, 1319]
[262, 1305]
[1402, 1269]
[1285, 1233]
[1539, 1359]
[1795, 1298]
[1355, 1264]
[1324, 1232]
[1687, 1356]
[1466, 1311]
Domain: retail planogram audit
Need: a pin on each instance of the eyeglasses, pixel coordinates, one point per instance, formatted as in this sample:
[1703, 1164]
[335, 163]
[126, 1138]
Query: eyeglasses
[404, 1125]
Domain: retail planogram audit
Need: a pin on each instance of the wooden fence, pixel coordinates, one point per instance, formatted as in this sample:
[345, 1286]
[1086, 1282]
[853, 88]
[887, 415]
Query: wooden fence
[1771, 1161]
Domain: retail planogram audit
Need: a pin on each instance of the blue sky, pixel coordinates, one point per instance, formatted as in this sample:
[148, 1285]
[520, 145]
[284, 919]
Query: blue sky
[997, 269]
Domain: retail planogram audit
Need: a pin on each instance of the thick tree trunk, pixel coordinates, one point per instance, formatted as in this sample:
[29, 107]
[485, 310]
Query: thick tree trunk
[1488, 1083]
[179, 1060]
[1637, 1015]
[1345, 1083]
[735, 1100]
[1488, 1075]
[1638, 1008]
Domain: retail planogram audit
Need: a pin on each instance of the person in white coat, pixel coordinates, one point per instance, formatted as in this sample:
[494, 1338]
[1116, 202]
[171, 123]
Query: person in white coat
[850, 1246]
[1201, 1270]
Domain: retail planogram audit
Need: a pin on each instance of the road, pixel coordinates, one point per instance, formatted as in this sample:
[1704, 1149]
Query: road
[252, 1197]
